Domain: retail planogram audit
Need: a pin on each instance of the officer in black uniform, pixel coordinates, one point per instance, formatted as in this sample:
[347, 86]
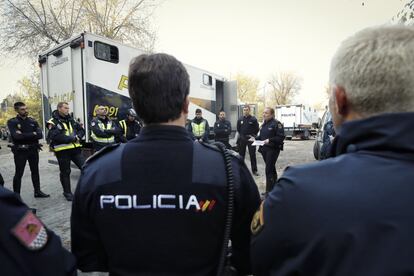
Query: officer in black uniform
[247, 127]
[104, 131]
[66, 135]
[272, 134]
[27, 246]
[25, 133]
[222, 130]
[130, 126]
[157, 204]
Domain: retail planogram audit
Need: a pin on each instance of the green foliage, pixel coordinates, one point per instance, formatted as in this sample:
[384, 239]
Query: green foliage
[247, 87]
[29, 94]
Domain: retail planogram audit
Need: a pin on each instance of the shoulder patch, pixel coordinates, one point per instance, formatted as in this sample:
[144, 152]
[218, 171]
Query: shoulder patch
[258, 221]
[31, 232]
[100, 153]
[279, 125]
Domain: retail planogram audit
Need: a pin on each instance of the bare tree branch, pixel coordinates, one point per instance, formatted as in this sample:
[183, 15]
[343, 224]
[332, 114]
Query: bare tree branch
[284, 87]
[28, 27]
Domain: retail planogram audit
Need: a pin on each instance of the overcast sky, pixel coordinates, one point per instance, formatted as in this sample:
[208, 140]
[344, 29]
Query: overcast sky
[258, 37]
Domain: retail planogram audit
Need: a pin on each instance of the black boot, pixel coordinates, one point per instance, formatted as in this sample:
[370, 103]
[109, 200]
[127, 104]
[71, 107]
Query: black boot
[68, 196]
[40, 194]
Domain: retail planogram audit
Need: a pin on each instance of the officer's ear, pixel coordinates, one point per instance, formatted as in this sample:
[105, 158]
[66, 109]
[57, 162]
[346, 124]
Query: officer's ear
[186, 104]
[341, 102]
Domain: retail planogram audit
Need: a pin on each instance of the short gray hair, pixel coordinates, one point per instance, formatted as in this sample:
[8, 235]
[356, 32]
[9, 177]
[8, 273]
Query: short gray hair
[376, 68]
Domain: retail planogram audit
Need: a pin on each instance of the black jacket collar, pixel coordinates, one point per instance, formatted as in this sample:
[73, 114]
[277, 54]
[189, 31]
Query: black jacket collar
[392, 132]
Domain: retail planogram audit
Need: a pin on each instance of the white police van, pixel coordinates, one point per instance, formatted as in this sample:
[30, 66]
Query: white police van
[90, 70]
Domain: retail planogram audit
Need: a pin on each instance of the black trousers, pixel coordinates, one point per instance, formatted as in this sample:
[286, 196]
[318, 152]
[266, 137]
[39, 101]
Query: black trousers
[252, 152]
[1, 180]
[20, 159]
[270, 156]
[64, 158]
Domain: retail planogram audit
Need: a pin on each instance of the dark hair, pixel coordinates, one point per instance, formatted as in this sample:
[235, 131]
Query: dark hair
[158, 85]
[198, 110]
[246, 106]
[60, 104]
[17, 105]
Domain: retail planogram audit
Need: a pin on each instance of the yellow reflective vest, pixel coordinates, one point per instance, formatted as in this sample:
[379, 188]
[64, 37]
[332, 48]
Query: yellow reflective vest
[106, 140]
[199, 129]
[68, 131]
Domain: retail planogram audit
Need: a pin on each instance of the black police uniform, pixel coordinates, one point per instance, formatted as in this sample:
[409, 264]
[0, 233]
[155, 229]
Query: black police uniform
[328, 132]
[222, 131]
[247, 127]
[130, 129]
[65, 135]
[26, 246]
[26, 148]
[272, 130]
[347, 215]
[157, 205]
[104, 132]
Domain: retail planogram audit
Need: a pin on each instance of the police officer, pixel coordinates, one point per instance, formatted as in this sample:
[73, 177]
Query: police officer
[272, 134]
[104, 131]
[222, 130]
[247, 127]
[25, 133]
[351, 214]
[160, 198]
[65, 135]
[328, 136]
[130, 126]
[27, 246]
[199, 127]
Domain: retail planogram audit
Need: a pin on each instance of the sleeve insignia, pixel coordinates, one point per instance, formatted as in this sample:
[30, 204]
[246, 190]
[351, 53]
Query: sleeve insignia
[258, 221]
[279, 125]
[19, 126]
[93, 124]
[59, 127]
[30, 232]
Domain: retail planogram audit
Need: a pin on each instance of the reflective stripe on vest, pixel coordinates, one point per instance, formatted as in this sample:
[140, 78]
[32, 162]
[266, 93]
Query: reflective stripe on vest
[199, 129]
[108, 140]
[68, 132]
[124, 126]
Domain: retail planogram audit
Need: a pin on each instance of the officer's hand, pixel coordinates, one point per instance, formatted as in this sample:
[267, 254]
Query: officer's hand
[266, 141]
[34, 132]
[251, 139]
[18, 132]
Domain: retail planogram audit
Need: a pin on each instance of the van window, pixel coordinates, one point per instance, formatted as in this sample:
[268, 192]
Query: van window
[106, 52]
[207, 80]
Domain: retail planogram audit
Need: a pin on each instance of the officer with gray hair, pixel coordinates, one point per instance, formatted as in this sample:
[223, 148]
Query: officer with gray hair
[351, 214]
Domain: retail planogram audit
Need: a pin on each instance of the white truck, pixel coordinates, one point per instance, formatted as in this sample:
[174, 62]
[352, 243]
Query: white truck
[298, 120]
[90, 70]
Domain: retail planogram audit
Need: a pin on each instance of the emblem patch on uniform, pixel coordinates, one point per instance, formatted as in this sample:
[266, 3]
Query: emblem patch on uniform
[257, 222]
[30, 232]
[279, 125]
[19, 126]
[59, 127]
[241, 122]
[93, 124]
[206, 205]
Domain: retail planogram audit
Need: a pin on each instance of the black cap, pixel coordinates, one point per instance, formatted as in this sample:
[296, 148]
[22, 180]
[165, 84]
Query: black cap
[198, 110]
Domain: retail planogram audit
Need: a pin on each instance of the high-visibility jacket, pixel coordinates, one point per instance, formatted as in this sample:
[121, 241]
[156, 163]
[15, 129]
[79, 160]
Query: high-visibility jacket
[62, 133]
[98, 133]
[199, 129]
